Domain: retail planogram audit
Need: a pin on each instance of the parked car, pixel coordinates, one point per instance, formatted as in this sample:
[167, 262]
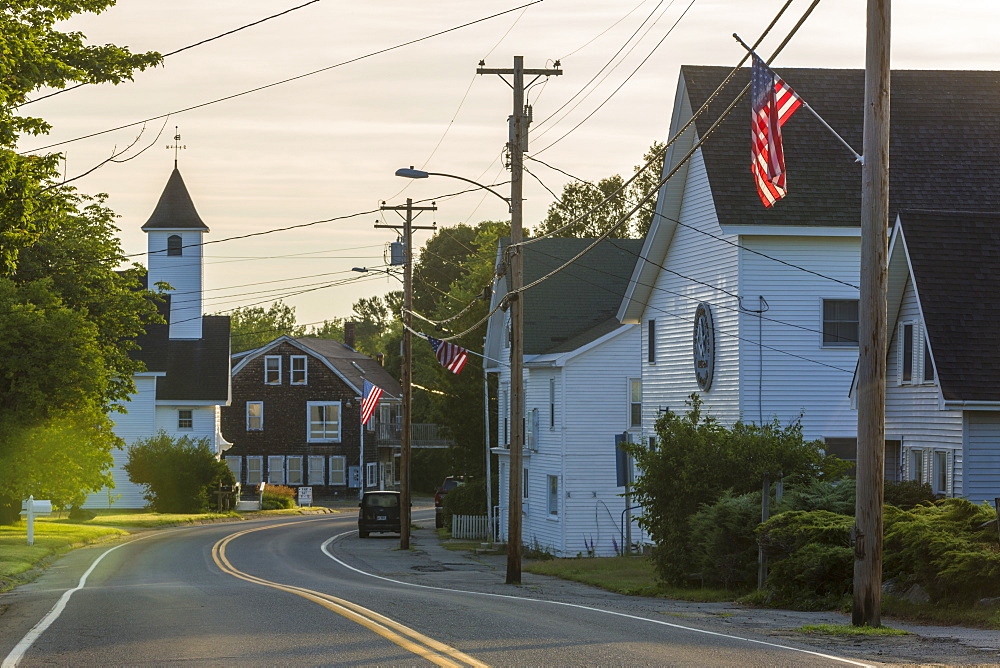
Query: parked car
[379, 513]
[450, 483]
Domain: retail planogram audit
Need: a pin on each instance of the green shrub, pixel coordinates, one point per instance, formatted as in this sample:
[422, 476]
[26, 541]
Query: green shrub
[811, 563]
[725, 546]
[906, 494]
[179, 475]
[941, 547]
[467, 499]
[277, 497]
[836, 497]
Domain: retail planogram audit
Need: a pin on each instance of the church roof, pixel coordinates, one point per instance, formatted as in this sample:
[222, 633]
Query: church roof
[175, 210]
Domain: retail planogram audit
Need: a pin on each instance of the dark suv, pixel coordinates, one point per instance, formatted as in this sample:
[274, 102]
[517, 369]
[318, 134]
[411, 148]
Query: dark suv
[379, 513]
[450, 483]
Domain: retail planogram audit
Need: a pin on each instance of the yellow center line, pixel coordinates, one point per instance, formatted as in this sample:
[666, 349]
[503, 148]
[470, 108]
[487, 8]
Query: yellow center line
[387, 628]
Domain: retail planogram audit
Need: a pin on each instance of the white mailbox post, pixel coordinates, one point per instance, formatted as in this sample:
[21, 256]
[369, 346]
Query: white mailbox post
[31, 509]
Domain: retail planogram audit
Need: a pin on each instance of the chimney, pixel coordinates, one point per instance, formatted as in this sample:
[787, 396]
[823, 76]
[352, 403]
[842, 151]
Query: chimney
[380, 358]
[349, 334]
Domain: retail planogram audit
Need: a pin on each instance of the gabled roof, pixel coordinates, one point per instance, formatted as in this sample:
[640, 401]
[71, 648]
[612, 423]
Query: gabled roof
[954, 259]
[944, 144]
[574, 306]
[175, 209]
[352, 367]
[196, 370]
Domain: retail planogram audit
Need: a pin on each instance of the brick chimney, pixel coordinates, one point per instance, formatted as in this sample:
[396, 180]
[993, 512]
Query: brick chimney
[349, 334]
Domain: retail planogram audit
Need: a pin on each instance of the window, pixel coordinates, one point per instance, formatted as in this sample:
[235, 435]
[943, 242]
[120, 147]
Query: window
[928, 363]
[396, 459]
[175, 245]
[297, 374]
[941, 472]
[552, 403]
[531, 436]
[255, 415]
[504, 420]
[317, 469]
[840, 322]
[917, 465]
[635, 403]
[338, 470]
[185, 419]
[524, 484]
[254, 470]
[506, 334]
[651, 342]
[293, 471]
[324, 421]
[272, 370]
[906, 350]
[276, 470]
[235, 465]
[371, 474]
[553, 495]
[652, 444]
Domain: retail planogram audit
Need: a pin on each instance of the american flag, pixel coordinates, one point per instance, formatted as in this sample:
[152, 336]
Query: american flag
[372, 393]
[450, 356]
[772, 103]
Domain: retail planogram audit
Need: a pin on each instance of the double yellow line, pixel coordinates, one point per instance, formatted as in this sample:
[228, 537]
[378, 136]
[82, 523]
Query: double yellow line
[410, 640]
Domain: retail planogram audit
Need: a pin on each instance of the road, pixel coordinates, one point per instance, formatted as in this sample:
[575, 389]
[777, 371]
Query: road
[299, 591]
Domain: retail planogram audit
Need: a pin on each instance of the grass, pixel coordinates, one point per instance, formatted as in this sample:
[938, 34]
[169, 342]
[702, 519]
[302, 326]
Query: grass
[624, 575]
[847, 630]
[52, 537]
[928, 613]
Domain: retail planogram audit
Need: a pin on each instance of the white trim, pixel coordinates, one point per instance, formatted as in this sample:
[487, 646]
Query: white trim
[260, 469]
[209, 402]
[339, 422]
[238, 473]
[261, 416]
[288, 470]
[249, 355]
[190, 419]
[322, 469]
[791, 230]
[562, 359]
[342, 471]
[150, 374]
[970, 405]
[271, 460]
[291, 369]
[822, 323]
[901, 352]
[268, 358]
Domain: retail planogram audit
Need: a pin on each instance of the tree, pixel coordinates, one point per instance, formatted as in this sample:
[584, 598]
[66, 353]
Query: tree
[68, 316]
[696, 460]
[253, 326]
[179, 474]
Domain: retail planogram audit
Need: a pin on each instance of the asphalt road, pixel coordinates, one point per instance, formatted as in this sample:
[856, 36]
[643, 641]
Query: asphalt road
[305, 590]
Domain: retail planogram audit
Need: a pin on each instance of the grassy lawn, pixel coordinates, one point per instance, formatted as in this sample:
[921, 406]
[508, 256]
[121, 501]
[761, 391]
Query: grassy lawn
[624, 575]
[846, 630]
[52, 537]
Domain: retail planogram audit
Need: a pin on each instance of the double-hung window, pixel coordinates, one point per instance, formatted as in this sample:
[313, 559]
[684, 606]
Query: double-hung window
[338, 470]
[553, 495]
[297, 374]
[840, 322]
[552, 403]
[185, 419]
[906, 353]
[928, 372]
[324, 421]
[272, 369]
[940, 472]
[255, 416]
[255, 468]
[276, 470]
[293, 470]
[651, 341]
[317, 470]
[635, 403]
[917, 465]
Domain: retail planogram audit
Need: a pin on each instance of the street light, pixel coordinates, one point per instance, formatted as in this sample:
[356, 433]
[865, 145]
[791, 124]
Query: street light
[411, 173]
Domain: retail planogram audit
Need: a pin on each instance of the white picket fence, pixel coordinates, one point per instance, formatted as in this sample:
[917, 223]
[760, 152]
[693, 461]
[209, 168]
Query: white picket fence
[470, 527]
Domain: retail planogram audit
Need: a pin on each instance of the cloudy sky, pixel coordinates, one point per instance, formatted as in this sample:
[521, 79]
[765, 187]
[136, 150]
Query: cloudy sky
[325, 146]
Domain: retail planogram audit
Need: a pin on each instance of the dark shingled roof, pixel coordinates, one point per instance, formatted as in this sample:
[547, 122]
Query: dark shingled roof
[175, 210]
[196, 370]
[944, 144]
[955, 258]
[344, 358]
[574, 306]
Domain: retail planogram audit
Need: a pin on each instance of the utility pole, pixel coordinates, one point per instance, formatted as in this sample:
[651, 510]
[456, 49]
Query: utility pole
[406, 374]
[518, 144]
[872, 322]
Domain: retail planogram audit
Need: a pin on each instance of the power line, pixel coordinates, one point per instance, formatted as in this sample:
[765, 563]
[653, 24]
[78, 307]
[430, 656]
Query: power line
[288, 80]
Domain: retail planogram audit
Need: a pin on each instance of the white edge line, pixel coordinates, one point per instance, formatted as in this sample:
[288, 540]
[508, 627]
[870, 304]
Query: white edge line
[325, 548]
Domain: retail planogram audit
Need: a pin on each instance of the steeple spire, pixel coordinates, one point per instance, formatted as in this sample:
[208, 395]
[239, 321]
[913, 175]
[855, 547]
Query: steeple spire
[175, 210]
[177, 146]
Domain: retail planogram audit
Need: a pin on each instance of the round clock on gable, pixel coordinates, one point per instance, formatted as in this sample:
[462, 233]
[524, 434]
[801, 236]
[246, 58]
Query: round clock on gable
[704, 346]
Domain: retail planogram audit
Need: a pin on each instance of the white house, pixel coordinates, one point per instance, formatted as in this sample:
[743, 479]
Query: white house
[581, 389]
[942, 395]
[755, 309]
[186, 380]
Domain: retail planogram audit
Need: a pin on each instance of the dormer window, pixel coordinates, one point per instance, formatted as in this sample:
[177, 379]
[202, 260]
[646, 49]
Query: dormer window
[175, 245]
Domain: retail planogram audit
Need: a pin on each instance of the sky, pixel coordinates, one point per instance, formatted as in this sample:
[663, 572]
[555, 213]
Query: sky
[326, 146]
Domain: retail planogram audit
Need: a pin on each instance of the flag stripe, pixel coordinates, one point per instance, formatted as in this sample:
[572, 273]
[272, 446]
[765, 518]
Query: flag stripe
[372, 393]
[772, 103]
[450, 356]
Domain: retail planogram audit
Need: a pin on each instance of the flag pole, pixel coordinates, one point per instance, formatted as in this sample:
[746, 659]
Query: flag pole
[857, 156]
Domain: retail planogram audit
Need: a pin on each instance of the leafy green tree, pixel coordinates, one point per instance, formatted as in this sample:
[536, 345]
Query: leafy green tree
[254, 326]
[179, 474]
[67, 316]
[330, 329]
[697, 460]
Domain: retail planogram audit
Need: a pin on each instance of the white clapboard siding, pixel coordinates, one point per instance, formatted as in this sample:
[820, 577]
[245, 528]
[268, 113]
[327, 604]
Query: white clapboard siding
[912, 411]
[702, 263]
[982, 456]
[793, 374]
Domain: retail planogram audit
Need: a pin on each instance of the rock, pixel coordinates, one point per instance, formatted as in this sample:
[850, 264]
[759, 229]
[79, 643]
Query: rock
[891, 587]
[916, 594]
[989, 602]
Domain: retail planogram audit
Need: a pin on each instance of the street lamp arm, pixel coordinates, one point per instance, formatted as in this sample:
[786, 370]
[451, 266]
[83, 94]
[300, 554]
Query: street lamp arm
[420, 174]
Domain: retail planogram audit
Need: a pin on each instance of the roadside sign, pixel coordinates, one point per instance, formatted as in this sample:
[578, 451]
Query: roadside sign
[31, 509]
[305, 496]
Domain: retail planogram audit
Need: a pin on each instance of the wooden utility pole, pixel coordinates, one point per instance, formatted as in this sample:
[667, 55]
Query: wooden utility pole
[872, 322]
[406, 373]
[518, 144]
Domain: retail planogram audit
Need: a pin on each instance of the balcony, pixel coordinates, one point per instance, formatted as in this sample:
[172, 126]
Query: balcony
[422, 436]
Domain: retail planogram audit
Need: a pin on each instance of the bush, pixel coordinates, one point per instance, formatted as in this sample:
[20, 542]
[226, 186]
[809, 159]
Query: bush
[835, 497]
[179, 474]
[277, 497]
[906, 494]
[725, 547]
[941, 547]
[467, 499]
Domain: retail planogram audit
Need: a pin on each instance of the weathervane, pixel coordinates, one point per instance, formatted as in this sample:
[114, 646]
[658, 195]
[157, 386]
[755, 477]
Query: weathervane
[176, 145]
